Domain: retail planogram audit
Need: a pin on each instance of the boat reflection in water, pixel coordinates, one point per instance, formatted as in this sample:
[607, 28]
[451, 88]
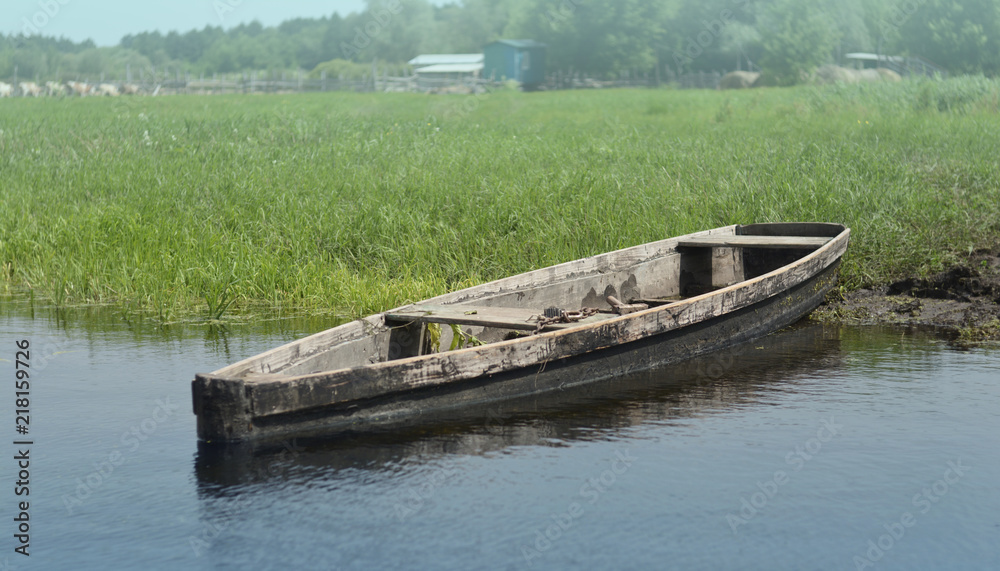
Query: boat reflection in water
[713, 383]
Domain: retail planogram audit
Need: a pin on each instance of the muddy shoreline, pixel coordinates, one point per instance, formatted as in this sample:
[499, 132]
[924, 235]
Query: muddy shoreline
[963, 301]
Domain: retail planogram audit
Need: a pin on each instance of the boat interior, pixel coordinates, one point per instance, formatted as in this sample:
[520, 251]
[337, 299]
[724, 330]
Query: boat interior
[559, 297]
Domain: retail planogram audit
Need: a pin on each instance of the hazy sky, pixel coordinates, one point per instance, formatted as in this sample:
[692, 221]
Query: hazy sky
[106, 21]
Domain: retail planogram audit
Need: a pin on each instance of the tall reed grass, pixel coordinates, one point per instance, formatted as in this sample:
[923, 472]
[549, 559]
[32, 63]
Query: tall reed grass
[177, 206]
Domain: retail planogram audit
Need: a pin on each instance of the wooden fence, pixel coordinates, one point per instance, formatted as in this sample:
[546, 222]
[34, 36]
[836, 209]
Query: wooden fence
[299, 82]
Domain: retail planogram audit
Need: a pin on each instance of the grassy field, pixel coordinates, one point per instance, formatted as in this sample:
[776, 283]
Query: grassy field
[180, 206]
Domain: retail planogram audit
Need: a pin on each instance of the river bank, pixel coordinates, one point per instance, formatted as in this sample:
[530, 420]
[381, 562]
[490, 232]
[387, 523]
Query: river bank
[963, 301]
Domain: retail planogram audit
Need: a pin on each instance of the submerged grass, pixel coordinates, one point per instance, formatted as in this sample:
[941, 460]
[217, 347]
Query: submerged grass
[181, 206]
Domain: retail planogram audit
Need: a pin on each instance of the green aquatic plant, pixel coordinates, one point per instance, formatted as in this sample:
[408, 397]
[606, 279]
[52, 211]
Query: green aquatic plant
[460, 339]
[434, 337]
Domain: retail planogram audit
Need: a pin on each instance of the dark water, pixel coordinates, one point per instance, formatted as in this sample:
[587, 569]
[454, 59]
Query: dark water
[817, 448]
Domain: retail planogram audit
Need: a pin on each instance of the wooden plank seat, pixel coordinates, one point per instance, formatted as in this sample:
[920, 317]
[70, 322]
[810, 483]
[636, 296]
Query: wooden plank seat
[525, 319]
[782, 242]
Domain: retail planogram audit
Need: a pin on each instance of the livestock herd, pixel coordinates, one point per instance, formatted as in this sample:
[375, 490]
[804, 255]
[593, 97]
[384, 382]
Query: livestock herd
[70, 88]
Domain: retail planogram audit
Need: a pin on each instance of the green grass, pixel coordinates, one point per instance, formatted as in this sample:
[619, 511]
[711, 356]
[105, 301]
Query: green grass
[181, 206]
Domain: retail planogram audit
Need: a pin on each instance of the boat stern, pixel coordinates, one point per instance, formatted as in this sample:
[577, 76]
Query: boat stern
[222, 408]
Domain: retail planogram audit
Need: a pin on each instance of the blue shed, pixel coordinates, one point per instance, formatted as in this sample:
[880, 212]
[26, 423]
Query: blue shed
[520, 60]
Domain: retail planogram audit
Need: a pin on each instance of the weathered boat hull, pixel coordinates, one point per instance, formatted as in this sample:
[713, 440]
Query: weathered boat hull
[263, 406]
[604, 365]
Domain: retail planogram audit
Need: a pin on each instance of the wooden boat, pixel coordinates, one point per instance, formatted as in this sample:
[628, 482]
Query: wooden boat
[587, 321]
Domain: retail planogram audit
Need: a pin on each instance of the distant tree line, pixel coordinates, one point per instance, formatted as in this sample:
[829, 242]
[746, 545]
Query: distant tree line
[602, 38]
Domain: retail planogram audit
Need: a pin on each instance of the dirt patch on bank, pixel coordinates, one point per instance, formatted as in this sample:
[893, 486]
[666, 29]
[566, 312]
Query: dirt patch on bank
[964, 301]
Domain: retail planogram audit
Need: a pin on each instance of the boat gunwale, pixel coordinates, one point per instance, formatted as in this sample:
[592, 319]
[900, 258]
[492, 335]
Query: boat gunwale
[546, 338]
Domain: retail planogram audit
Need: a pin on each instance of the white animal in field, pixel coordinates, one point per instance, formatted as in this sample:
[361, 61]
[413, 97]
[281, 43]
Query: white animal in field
[30, 89]
[6, 89]
[130, 89]
[53, 88]
[108, 90]
[78, 88]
